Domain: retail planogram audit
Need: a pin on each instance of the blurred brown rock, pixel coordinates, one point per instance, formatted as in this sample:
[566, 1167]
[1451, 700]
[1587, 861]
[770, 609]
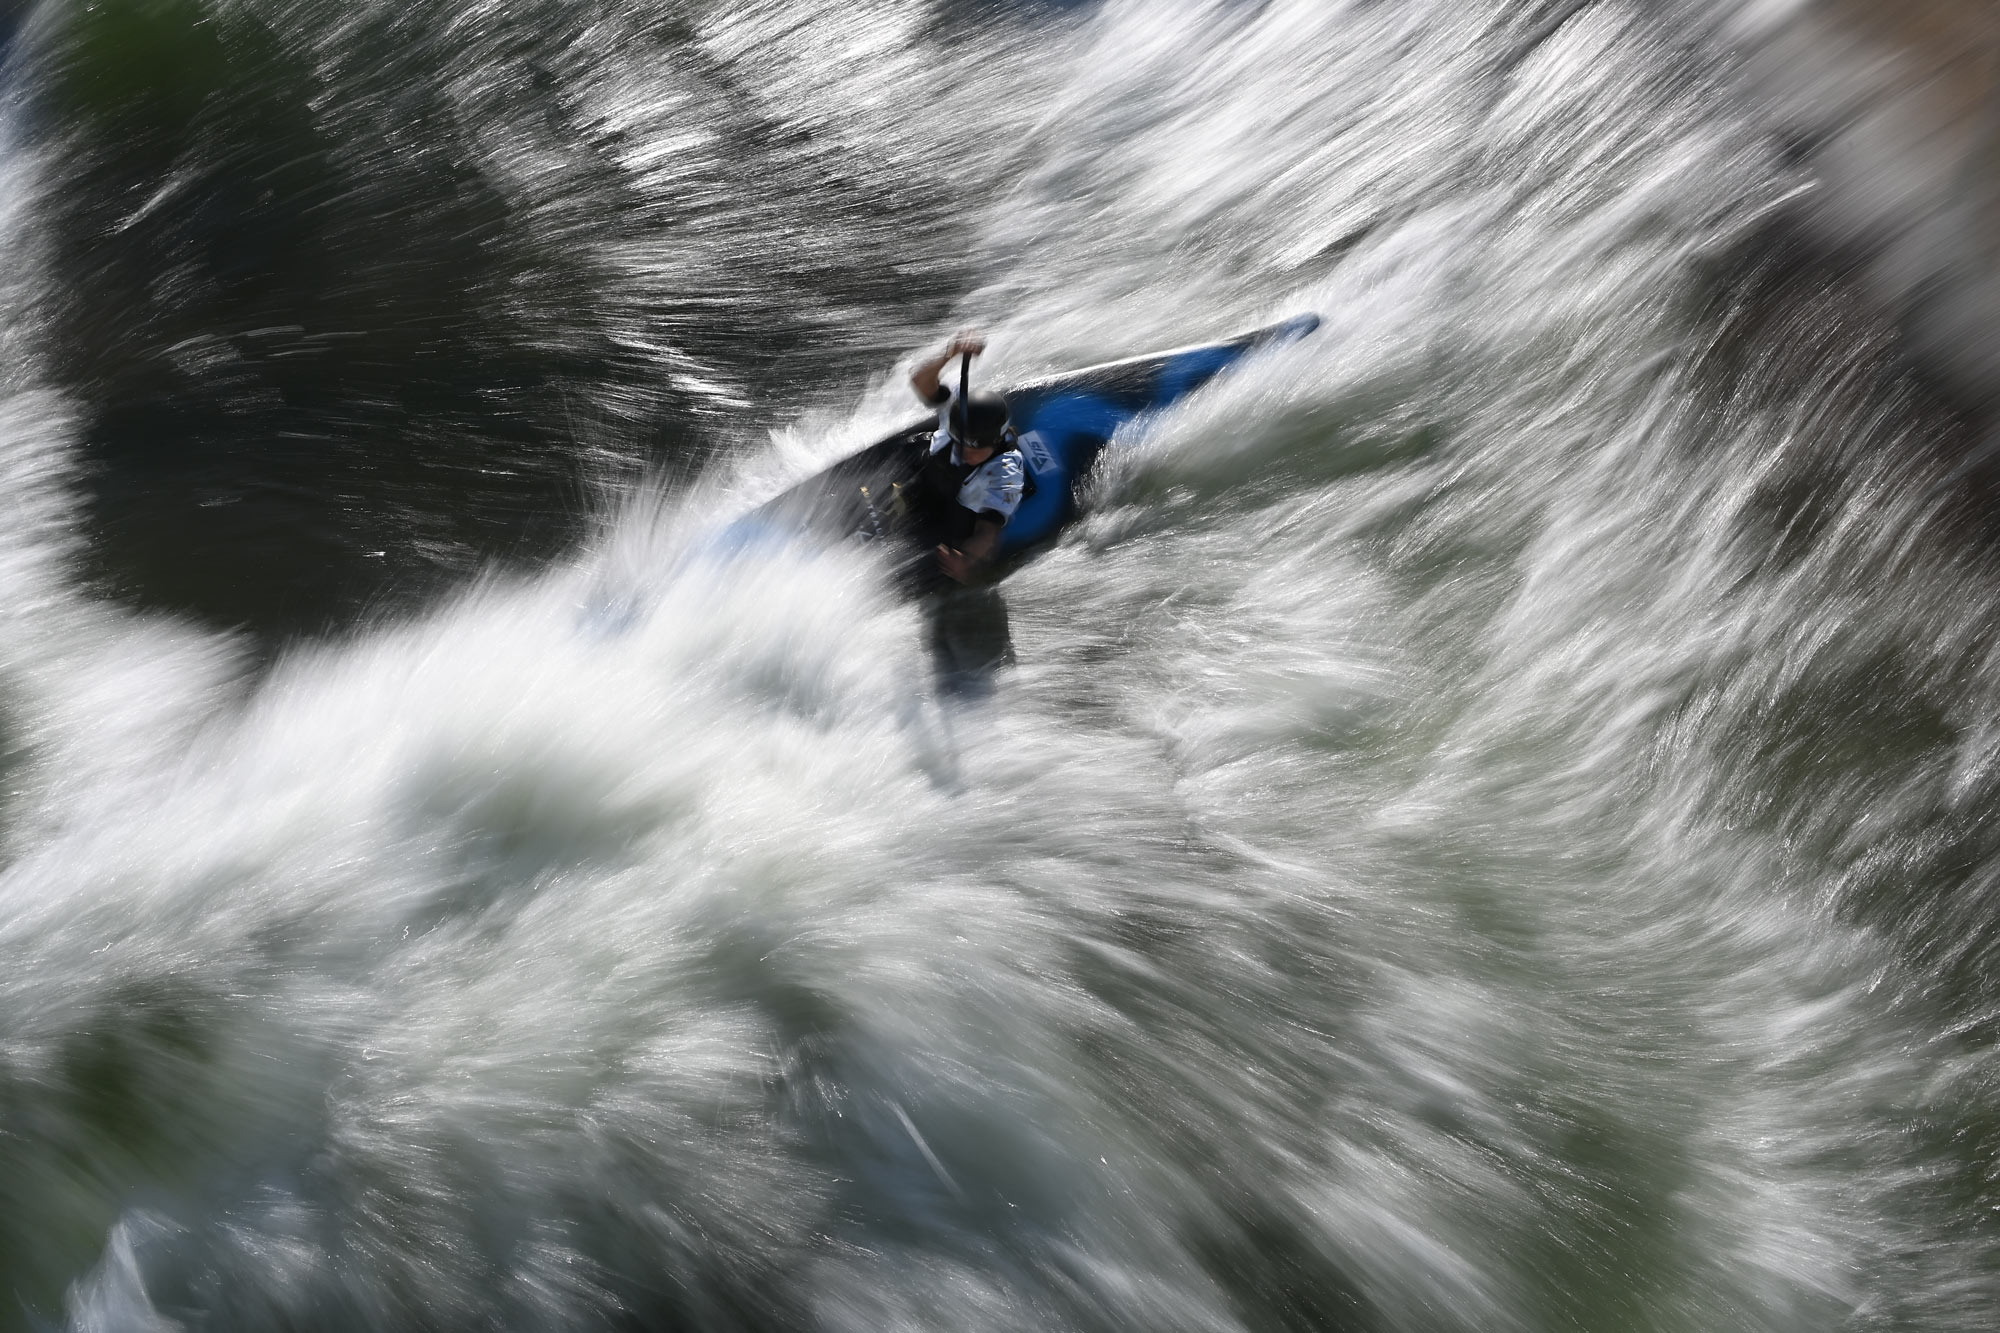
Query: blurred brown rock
[1894, 111]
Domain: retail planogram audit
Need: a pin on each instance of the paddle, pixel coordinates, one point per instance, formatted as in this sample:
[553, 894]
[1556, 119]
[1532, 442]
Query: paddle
[963, 428]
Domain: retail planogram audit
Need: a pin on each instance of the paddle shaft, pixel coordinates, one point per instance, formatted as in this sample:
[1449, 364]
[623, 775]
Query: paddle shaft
[962, 429]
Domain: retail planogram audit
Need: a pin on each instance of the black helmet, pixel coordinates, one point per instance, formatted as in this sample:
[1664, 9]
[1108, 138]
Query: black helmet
[984, 420]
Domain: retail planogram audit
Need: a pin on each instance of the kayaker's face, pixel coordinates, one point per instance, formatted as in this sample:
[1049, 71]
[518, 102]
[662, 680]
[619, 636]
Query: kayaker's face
[976, 454]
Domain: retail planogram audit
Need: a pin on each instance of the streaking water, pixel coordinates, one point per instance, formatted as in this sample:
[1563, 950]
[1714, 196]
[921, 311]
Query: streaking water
[1491, 829]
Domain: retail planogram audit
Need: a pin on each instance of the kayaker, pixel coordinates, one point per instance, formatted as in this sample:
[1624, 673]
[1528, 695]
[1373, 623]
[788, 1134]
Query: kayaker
[971, 477]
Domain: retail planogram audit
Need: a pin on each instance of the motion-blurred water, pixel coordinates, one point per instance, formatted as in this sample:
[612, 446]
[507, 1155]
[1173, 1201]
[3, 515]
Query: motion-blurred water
[1493, 826]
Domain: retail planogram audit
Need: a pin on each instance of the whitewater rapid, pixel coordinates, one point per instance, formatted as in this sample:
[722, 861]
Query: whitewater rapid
[1490, 826]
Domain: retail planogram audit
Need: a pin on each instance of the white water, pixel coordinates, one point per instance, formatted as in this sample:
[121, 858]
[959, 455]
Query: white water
[1424, 872]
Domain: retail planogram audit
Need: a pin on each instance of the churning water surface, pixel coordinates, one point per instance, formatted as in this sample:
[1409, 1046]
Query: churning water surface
[1492, 827]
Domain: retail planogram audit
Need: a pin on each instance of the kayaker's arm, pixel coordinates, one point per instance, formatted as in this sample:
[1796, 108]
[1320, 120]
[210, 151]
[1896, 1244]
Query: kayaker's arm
[924, 379]
[964, 562]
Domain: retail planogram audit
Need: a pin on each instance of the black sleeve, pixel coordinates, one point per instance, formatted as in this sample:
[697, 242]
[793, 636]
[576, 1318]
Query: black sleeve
[940, 398]
[992, 516]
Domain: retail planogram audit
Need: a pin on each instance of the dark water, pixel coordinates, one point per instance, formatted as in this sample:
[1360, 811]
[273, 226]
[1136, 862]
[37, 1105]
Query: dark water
[361, 299]
[1491, 825]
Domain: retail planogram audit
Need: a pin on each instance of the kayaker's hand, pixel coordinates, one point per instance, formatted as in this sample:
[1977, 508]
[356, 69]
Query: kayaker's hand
[955, 563]
[964, 562]
[924, 379]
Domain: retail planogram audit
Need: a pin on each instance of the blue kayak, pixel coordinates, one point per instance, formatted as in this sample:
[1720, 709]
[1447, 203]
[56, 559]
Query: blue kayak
[1064, 423]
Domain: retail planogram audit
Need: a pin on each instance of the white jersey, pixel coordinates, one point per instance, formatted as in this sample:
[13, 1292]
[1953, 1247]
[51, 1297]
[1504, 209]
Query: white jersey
[995, 486]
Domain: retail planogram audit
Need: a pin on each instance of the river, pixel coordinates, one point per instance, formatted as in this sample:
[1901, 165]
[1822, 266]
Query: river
[1491, 826]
